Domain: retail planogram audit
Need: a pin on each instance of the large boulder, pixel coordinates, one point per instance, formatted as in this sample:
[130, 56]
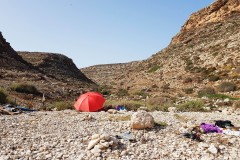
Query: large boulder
[142, 120]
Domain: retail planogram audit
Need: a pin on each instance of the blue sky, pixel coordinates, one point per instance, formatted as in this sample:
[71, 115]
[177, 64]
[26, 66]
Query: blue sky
[92, 32]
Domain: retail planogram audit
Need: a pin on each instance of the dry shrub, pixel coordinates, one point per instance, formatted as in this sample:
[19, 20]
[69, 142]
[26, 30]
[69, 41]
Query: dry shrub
[187, 80]
[188, 90]
[227, 87]
[191, 106]
[24, 88]
[61, 105]
[213, 78]
[3, 96]
[206, 91]
[159, 101]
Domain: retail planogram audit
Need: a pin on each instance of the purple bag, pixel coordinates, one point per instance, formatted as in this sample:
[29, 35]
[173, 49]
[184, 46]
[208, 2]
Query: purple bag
[210, 128]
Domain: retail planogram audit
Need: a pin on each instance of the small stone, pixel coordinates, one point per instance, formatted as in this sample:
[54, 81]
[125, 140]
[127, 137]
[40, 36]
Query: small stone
[48, 156]
[112, 111]
[202, 145]
[59, 155]
[95, 136]
[212, 149]
[222, 147]
[95, 150]
[99, 146]
[123, 153]
[172, 109]
[105, 136]
[92, 143]
[105, 144]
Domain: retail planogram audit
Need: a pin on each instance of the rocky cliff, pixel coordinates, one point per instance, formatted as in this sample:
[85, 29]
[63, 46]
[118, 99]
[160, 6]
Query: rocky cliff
[217, 12]
[103, 74]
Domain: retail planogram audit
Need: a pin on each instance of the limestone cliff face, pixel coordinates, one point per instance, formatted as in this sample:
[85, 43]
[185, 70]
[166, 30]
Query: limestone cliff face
[216, 12]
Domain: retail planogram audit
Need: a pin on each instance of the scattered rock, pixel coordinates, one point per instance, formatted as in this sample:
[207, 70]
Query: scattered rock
[142, 120]
[213, 149]
[112, 111]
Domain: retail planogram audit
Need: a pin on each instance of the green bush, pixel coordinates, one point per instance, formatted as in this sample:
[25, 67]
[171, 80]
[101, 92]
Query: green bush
[60, 105]
[3, 96]
[122, 92]
[206, 91]
[25, 88]
[153, 69]
[191, 106]
[213, 78]
[103, 89]
[227, 87]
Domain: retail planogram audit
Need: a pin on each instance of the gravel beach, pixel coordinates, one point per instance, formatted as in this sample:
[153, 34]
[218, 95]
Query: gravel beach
[66, 135]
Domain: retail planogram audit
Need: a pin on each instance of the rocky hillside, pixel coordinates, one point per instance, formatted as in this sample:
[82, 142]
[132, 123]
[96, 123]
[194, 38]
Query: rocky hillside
[205, 53]
[108, 71]
[53, 75]
[55, 65]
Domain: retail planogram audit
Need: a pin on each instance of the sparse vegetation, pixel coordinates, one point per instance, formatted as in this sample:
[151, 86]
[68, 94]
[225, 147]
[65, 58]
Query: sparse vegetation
[122, 92]
[160, 101]
[160, 123]
[227, 87]
[104, 89]
[153, 69]
[206, 91]
[213, 78]
[191, 106]
[187, 80]
[129, 104]
[188, 90]
[221, 96]
[24, 88]
[3, 96]
[60, 105]
[143, 94]
[134, 105]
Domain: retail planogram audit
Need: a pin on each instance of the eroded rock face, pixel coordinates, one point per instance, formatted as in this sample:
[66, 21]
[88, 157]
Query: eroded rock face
[142, 120]
[216, 12]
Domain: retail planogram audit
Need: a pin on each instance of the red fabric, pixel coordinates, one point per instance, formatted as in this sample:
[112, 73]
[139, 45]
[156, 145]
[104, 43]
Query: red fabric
[89, 102]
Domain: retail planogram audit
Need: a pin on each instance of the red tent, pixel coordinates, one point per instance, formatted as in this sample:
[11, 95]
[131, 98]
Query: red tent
[89, 102]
